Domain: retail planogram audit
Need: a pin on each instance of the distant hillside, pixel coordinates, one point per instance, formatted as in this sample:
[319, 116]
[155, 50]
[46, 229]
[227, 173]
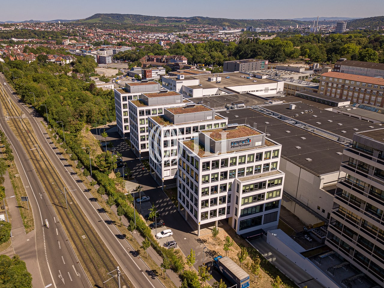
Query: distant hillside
[134, 19]
[372, 22]
[324, 18]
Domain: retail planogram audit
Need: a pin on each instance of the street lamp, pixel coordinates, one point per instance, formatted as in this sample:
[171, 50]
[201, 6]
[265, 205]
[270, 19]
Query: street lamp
[63, 128]
[90, 163]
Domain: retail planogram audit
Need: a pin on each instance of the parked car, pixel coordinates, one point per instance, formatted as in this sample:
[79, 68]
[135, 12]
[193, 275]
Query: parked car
[143, 199]
[170, 244]
[159, 224]
[164, 233]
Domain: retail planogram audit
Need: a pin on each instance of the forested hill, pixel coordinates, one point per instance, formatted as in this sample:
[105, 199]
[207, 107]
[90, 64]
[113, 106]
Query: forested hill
[135, 19]
[372, 22]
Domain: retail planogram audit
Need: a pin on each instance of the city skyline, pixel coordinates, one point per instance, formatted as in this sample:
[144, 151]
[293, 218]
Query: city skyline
[37, 10]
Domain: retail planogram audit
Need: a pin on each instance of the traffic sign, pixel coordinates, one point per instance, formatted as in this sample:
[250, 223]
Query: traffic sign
[25, 199]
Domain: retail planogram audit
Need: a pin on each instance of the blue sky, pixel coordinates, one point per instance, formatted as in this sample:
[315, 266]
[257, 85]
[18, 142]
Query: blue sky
[237, 9]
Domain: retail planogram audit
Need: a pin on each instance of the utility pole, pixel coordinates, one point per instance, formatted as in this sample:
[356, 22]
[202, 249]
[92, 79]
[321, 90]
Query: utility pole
[118, 275]
[66, 200]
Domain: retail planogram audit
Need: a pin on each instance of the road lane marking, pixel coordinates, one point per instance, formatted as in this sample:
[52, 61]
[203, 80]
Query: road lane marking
[57, 232]
[54, 219]
[148, 280]
[58, 242]
[63, 259]
[61, 277]
[77, 274]
[49, 285]
[70, 276]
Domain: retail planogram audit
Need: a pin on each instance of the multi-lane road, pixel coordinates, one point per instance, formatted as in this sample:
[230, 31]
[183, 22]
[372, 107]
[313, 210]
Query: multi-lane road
[58, 262]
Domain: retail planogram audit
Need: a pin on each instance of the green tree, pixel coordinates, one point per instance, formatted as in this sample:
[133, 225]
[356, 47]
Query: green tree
[277, 283]
[191, 258]
[215, 232]
[5, 231]
[3, 166]
[104, 135]
[146, 244]
[368, 55]
[349, 49]
[131, 226]
[204, 274]
[106, 162]
[191, 279]
[14, 273]
[227, 245]
[2, 193]
[153, 212]
[242, 255]
[220, 284]
[255, 267]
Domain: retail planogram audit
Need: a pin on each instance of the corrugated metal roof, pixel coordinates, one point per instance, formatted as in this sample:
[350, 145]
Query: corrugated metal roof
[233, 267]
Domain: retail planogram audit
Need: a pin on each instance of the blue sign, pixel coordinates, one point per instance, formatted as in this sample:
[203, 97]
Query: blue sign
[241, 143]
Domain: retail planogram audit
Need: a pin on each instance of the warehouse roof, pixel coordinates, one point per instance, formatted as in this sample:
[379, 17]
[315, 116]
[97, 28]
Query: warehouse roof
[353, 77]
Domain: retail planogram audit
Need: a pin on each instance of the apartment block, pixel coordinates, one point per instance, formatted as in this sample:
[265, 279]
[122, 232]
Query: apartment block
[149, 104]
[246, 65]
[179, 123]
[356, 229]
[356, 88]
[368, 69]
[132, 91]
[230, 173]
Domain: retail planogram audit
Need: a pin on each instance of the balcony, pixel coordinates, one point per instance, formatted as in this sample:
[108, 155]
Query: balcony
[344, 182]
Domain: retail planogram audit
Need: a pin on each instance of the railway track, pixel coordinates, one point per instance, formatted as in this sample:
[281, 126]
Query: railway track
[95, 258]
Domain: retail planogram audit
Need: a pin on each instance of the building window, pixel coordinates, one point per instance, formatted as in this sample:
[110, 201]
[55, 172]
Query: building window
[205, 179]
[273, 194]
[259, 156]
[251, 210]
[241, 160]
[273, 166]
[221, 211]
[204, 215]
[232, 174]
[202, 127]
[213, 213]
[224, 163]
[160, 111]
[215, 177]
[214, 190]
[241, 172]
[154, 111]
[249, 223]
[252, 199]
[206, 166]
[266, 167]
[272, 205]
[205, 191]
[257, 169]
[233, 161]
[267, 155]
[212, 202]
[274, 182]
[249, 171]
[222, 200]
[275, 154]
[215, 164]
[223, 175]
[250, 158]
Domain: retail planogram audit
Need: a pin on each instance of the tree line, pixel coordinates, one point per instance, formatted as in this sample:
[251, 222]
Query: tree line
[315, 47]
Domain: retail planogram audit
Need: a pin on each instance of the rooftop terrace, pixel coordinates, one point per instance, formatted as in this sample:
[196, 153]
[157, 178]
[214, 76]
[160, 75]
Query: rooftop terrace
[161, 94]
[188, 109]
[231, 133]
[142, 83]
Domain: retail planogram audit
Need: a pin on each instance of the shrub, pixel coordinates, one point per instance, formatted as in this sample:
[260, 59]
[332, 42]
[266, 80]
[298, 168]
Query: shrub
[101, 190]
[5, 232]
[191, 278]
[86, 173]
[74, 157]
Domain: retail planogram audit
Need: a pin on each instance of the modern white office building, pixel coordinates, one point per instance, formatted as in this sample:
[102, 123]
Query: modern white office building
[178, 123]
[356, 229]
[122, 96]
[221, 84]
[149, 104]
[230, 173]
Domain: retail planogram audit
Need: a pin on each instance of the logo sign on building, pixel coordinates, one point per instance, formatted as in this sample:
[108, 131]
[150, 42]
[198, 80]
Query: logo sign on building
[241, 143]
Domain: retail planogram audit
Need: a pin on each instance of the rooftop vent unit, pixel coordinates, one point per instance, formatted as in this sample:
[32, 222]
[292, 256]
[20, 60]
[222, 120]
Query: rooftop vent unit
[308, 159]
[330, 121]
[343, 131]
[268, 135]
[356, 129]
[339, 153]
[298, 147]
[190, 105]
[314, 116]
[371, 127]
[303, 138]
[180, 77]
[292, 106]
[267, 123]
[340, 124]
[288, 131]
[318, 123]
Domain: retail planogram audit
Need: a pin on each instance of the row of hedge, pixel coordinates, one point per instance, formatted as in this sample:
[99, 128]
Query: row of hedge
[171, 259]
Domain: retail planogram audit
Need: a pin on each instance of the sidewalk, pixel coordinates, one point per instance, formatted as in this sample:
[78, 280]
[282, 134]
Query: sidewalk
[23, 244]
[151, 252]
